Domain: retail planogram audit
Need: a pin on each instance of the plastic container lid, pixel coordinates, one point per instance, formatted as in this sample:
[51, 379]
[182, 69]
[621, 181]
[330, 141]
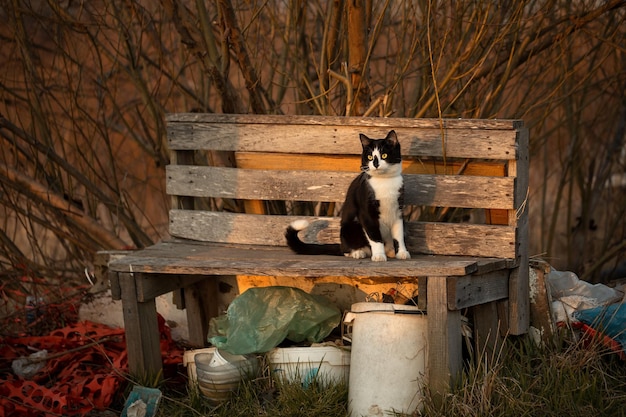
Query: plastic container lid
[222, 361]
[223, 357]
[218, 358]
[385, 308]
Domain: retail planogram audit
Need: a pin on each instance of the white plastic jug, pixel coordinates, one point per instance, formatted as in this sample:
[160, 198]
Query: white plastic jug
[388, 359]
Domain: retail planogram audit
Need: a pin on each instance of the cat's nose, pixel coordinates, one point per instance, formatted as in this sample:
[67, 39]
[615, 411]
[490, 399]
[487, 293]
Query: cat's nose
[376, 163]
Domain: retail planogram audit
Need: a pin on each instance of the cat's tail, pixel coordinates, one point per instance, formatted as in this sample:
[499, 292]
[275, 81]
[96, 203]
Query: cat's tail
[299, 247]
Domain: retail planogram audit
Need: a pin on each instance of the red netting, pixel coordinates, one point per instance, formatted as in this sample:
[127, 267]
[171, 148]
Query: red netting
[83, 372]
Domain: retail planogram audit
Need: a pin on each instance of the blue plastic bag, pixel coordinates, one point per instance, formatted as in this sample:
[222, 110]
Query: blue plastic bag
[610, 321]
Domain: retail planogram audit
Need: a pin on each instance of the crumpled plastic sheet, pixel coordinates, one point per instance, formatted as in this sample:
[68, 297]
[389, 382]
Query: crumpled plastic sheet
[261, 318]
[606, 323]
[570, 294]
[85, 377]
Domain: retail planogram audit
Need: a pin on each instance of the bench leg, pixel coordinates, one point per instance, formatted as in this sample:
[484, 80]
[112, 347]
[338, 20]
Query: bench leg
[486, 332]
[196, 320]
[444, 337]
[142, 329]
[201, 303]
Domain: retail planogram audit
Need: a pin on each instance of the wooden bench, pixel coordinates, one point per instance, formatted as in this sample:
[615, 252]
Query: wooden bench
[237, 181]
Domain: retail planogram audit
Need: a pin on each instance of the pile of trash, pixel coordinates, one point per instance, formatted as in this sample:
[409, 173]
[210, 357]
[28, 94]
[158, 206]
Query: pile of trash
[598, 310]
[69, 371]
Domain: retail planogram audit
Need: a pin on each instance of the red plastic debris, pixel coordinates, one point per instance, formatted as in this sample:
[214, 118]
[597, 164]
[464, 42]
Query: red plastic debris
[591, 336]
[85, 367]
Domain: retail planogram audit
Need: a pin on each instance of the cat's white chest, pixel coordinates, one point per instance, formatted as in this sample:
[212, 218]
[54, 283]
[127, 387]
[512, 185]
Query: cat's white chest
[387, 192]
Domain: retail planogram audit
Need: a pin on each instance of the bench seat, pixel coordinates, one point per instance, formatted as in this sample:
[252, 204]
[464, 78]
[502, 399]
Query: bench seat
[188, 257]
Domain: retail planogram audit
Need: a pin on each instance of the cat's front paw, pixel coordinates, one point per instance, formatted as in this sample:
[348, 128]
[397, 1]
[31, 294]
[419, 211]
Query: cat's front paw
[379, 257]
[402, 254]
[358, 254]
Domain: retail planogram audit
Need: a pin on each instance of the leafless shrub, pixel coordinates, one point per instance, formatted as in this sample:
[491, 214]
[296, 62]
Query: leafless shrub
[85, 85]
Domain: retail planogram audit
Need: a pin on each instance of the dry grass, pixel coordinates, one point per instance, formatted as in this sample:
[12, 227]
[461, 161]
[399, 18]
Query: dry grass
[565, 379]
[263, 396]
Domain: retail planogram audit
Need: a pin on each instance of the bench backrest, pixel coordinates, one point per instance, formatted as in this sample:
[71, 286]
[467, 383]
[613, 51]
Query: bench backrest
[244, 178]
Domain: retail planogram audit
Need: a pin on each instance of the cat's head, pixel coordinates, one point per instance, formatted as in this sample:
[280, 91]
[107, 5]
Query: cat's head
[381, 156]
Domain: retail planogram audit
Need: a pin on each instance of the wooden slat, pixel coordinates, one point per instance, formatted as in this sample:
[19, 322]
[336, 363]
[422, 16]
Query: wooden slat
[315, 120]
[496, 216]
[469, 291]
[146, 290]
[461, 239]
[194, 258]
[429, 190]
[287, 162]
[421, 237]
[352, 163]
[519, 304]
[340, 139]
[458, 191]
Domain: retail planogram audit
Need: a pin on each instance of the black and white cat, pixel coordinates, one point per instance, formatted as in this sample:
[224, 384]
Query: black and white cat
[371, 217]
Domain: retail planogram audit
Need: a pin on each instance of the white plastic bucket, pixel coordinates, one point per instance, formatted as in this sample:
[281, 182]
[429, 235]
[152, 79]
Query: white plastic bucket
[388, 361]
[325, 363]
[219, 373]
[189, 361]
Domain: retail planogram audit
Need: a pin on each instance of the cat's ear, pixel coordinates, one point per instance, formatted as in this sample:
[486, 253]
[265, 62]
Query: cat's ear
[392, 137]
[365, 141]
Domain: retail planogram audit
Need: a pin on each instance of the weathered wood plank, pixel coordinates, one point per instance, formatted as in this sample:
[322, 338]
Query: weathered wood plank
[196, 258]
[444, 338]
[487, 340]
[519, 299]
[519, 304]
[458, 191]
[116, 289]
[315, 120]
[421, 237]
[469, 291]
[352, 163]
[496, 216]
[201, 300]
[142, 330]
[150, 286]
[331, 186]
[459, 239]
[488, 265]
[340, 139]
[196, 319]
[287, 162]
[541, 316]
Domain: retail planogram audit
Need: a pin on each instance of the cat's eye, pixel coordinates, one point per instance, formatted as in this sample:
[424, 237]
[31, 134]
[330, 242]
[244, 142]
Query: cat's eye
[384, 156]
[370, 157]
